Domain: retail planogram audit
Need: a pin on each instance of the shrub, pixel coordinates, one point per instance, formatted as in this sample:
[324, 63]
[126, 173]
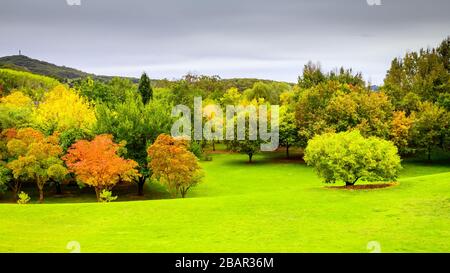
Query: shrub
[350, 157]
[24, 198]
[106, 196]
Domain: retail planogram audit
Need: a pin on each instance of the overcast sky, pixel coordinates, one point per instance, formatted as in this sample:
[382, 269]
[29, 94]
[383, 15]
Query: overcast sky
[230, 38]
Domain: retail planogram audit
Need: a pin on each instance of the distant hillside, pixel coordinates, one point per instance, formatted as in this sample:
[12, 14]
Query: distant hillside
[63, 73]
[24, 63]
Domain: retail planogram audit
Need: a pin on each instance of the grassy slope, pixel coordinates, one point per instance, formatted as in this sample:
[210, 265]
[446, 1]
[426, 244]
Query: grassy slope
[277, 207]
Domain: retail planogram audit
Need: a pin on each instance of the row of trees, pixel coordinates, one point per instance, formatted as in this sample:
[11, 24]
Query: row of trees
[32, 157]
[411, 110]
[67, 136]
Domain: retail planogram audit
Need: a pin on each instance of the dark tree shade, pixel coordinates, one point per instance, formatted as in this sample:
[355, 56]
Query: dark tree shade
[145, 88]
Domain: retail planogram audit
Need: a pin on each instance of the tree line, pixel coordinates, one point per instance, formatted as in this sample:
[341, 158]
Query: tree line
[100, 133]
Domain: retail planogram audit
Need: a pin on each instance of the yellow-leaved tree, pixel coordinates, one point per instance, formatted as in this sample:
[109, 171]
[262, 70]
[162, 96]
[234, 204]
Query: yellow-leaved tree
[63, 109]
[15, 110]
[173, 165]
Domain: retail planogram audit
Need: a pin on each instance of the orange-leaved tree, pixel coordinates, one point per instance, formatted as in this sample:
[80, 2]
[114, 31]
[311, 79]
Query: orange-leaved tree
[35, 157]
[98, 164]
[173, 165]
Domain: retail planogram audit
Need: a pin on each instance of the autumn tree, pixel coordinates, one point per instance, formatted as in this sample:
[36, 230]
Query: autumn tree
[15, 110]
[97, 163]
[63, 109]
[173, 165]
[349, 157]
[36, 158]
[136, 124]
[400, 133]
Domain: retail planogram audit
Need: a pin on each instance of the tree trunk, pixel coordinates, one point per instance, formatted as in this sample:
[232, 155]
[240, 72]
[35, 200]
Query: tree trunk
[141, 183]
[287, 151]
[97, 194]
[214, 145]
[16, 189]
[250, 158]
[429, 153]
[184, 191]
[58, 188]
[41, 195]
[347, 183]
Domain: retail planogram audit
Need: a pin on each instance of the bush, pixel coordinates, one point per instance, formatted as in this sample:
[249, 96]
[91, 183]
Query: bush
[195, 147]
[106, 196]
[350, 157]
[24, 198]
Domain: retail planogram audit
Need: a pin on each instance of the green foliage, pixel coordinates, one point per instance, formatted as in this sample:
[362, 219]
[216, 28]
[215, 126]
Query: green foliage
[245, 146]
[419, 76]
[110, 92]
[335, 107]
[30, 84]
[350, 157]
[145, 88]
[288, 129]
[231, 97]
[5, 177]
[72, 135]
[195, 147]
[136, 124]
[23, 199]
[264, 91]
[106, 196]
[431, 128]
[312, 76]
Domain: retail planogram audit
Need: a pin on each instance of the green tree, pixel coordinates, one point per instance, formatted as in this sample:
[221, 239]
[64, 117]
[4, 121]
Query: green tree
[288, 129]
[5, 177]
[145, 88]
[349, 157]
[262, 90]
[136, 124]
[418, 76]
[338, 107]
[430, 128]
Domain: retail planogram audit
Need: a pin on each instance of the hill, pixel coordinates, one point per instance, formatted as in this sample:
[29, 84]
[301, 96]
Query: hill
[24, 63]
[63, 73]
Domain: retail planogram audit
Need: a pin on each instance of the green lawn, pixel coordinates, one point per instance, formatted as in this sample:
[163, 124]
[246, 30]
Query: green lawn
[268, 206]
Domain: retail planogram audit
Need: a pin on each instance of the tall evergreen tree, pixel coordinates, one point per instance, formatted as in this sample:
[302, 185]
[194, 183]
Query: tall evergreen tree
[145, 89]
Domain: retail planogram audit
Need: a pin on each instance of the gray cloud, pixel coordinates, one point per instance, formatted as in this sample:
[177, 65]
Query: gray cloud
[233, 38]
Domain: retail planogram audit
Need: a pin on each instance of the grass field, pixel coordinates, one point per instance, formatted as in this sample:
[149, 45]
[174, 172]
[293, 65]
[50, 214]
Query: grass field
[269, 206]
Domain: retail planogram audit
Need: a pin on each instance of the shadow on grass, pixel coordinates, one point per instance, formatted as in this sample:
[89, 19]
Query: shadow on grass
[261, 159]
[73, 194]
